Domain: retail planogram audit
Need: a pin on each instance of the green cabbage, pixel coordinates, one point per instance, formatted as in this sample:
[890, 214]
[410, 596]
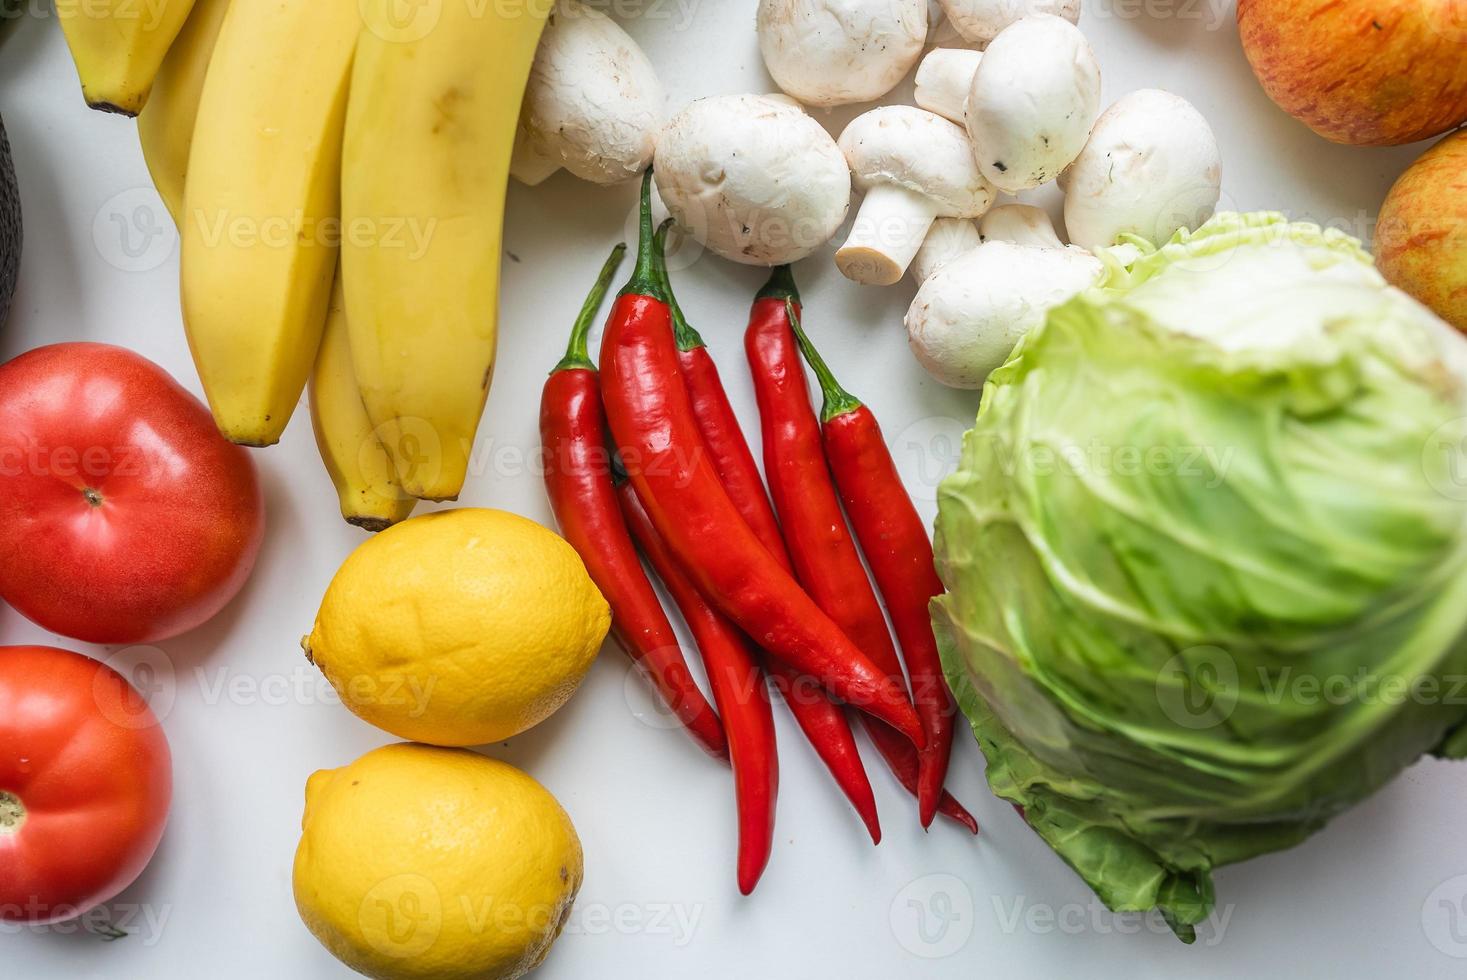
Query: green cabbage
[1206, 554]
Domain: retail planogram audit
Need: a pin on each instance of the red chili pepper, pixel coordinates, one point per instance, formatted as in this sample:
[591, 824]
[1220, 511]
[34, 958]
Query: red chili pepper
[826, 560]
[823, 722]
[651, 420]
[904, 761]
[578, 478]
[899, 552]
[738, 690]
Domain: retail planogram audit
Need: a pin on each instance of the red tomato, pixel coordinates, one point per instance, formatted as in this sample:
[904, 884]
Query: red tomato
[124, 516]
[85, 781]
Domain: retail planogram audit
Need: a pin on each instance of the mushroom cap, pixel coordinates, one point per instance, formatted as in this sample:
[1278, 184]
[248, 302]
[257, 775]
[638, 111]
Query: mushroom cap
[753, 178]
[593, 102]
[920, 151]
[1033, 98]
[1151, 167]
[984, 20]
[966, 319]
[835, 52]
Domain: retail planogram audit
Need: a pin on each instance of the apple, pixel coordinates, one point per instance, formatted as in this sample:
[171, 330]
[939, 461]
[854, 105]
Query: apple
[1421, 238]
[124, 516]
[1362, 72]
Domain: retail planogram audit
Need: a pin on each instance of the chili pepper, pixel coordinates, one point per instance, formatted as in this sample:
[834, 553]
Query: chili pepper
[825, 556]
[651, 421]
[904, 761]
[899, 552]
[738, 690]
[578, 478]
[727, 448]
[823, 722]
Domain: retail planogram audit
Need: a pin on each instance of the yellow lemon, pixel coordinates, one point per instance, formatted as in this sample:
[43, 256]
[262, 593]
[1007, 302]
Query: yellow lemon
[459, 628]
[417, 861]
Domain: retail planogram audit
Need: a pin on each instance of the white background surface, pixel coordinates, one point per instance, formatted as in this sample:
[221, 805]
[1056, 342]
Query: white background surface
[249, 720]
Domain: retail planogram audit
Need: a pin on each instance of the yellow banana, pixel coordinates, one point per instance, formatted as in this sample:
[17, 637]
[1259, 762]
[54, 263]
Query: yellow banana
[262, 207]
[434, 106]
[118, 45]
[359, 467]
[166, 124]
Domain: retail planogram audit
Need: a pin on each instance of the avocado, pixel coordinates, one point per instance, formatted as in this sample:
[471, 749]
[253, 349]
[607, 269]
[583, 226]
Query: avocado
[9, 226]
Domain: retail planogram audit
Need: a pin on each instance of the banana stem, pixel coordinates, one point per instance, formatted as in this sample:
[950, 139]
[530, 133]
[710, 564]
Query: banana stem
[687, 338]
[644, 281]
[577, 352]
[838, 401]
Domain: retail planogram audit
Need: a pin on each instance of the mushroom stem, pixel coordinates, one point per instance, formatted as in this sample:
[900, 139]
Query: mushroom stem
[949, 238]
[888, 231]
[1022, 224]
[943, 80]
[528, 166]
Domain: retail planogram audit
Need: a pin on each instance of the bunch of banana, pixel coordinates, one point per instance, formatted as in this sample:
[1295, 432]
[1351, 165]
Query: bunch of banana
[429, 135]
[365, 143]
[362, 472]
[118, 45]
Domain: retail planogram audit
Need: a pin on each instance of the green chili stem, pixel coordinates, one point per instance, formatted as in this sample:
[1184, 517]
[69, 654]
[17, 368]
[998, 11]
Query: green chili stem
[644, 280]
[838, 401]
[781, 285]
[687, 338]
[577, 352]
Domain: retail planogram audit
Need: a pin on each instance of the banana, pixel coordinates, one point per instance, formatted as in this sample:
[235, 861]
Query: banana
[359, 467]
[262, 207]
[118, 45]
[434, 106]
[166, 124]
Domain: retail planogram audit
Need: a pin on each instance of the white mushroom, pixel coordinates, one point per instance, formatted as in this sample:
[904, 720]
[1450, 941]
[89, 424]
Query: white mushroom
[949, 238]
[966, 319]
[593, 104]
[753, 178]
[1151, 167]
[1033, 99]
[835, 52]
[1021, 224]
[943, 80]
[914, 166]
[983, 20]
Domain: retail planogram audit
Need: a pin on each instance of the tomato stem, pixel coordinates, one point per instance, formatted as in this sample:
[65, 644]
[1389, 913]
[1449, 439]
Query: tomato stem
[12, 812]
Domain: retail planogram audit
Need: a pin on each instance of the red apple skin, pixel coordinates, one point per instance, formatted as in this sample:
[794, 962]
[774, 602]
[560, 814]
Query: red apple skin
[1361, 72]
[1421, 239]
[124, 516]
